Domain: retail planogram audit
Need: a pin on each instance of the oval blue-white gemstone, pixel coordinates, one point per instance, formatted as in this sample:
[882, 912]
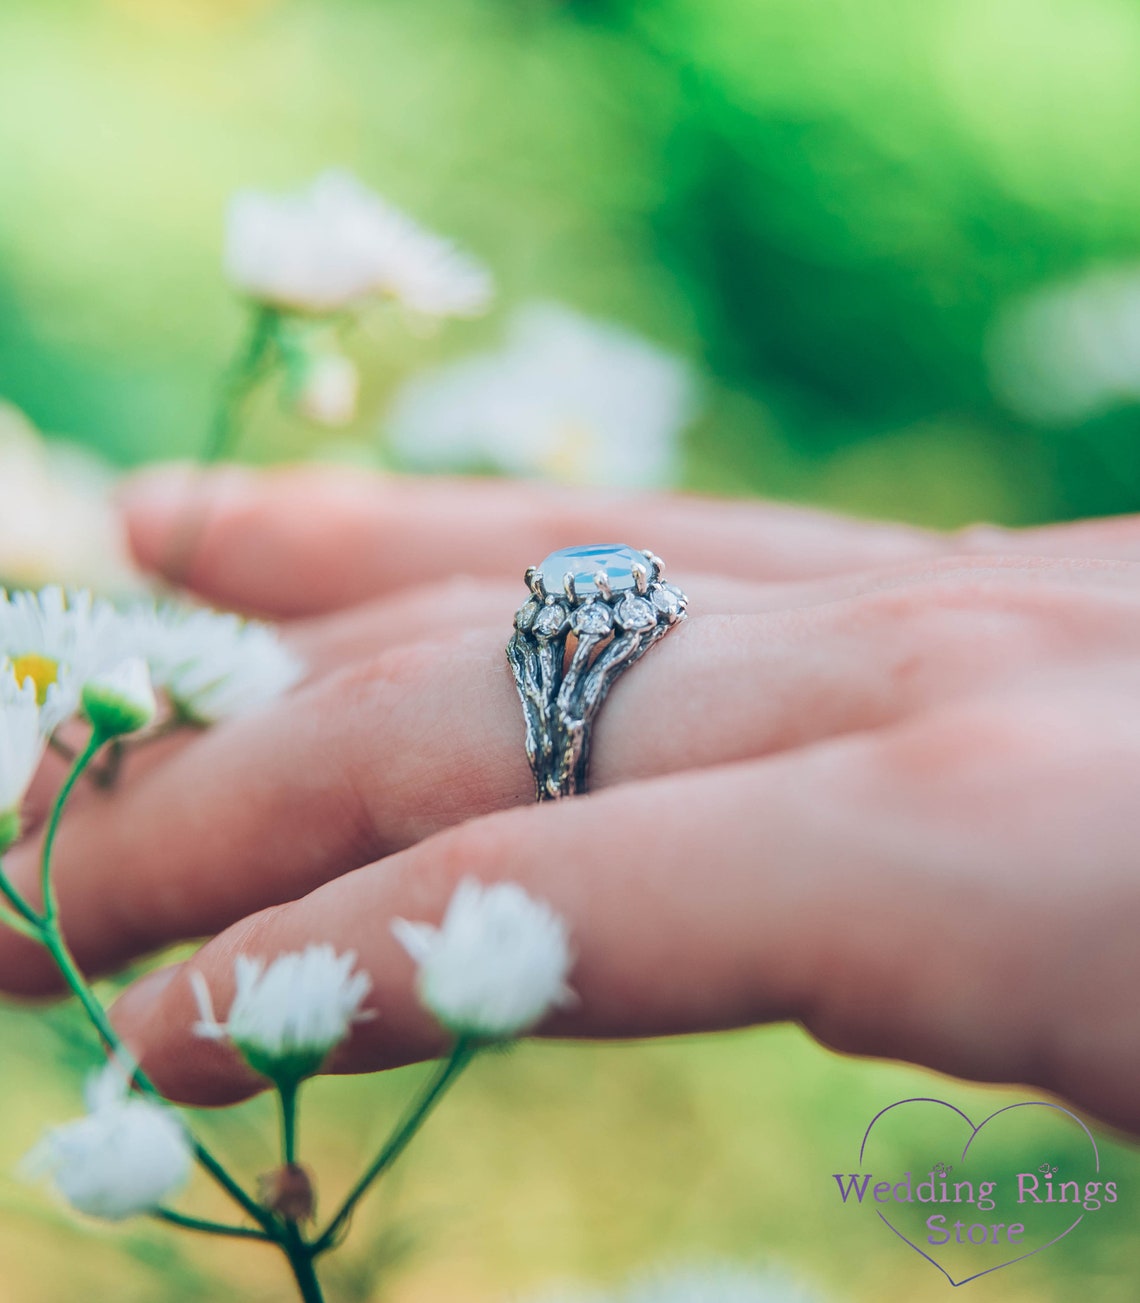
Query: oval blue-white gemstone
[583, 563]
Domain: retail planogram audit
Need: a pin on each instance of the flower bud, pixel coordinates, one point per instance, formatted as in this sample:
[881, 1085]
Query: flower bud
[288, 1191]
[329, 390]
[9, 830]
[121, 700]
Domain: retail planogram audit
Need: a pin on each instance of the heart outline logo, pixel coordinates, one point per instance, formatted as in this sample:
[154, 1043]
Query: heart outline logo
[974, 1131]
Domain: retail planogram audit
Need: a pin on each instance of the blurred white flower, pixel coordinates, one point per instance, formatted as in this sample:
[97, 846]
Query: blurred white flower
[566, 397]
[716, 1283]
[497, 964]
[712, 1283]
[1071, 350]
[57, 523]
[287, 1017]
[211, 665]
[329, 389]
[120, 700]
[327, 247]
[124, 1158]
[21, 746]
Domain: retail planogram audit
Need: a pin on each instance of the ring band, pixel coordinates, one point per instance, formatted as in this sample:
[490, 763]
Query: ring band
[612, 602]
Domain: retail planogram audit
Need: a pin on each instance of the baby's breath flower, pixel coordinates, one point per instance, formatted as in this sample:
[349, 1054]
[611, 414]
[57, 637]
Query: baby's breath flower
[124, 1158]
[120, 700]
[325, 248]
[211, 666]
[496, 965]
[21, 746]
[288, 1016]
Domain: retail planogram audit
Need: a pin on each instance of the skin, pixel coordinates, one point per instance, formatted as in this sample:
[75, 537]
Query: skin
[882, 782]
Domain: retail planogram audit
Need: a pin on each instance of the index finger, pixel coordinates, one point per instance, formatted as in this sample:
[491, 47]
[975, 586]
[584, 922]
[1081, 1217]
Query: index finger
[305, 540]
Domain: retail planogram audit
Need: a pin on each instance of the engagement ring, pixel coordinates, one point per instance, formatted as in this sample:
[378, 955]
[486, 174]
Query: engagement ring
[593, 612]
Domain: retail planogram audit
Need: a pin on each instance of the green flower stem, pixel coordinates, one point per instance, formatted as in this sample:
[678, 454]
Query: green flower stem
[301, 1257]
[23, 917]
[462, 1053]
[240, 378]
[208, 1227]
[288, 1096]
[94, 742]
[52, 939]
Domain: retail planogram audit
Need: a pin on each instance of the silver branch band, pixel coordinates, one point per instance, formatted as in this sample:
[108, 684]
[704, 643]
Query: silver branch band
[593, 612]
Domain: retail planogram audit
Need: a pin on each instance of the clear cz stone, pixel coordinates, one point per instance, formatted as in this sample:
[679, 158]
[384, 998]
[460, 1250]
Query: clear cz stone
[551, 620]
[583, 563]
[667, 599]
[635, 613]
[594, 617]
[526, 613]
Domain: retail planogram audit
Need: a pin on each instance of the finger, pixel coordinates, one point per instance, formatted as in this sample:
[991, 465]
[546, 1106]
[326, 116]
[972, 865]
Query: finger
[900, 893]
[382, 754]
[297, 542]
[436, 611]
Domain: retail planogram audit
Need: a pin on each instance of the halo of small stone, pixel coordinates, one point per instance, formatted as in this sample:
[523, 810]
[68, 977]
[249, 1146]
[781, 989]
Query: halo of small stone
[597, 614]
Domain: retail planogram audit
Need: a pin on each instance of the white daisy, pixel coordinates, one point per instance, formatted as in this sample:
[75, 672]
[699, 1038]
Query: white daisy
[211, 665]
[124, 1158]
[120, 700]
[58, 640]
[286, 1017]
[327, 247]
[566, 398]
[21, 746]
[497, 964]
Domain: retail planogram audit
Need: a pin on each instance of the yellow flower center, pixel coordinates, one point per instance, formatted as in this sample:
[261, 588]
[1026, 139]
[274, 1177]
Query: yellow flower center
[42, 671]
[575, 455]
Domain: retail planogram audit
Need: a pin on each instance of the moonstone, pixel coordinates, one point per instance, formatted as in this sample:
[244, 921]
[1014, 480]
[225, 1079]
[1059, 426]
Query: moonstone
[583, 563]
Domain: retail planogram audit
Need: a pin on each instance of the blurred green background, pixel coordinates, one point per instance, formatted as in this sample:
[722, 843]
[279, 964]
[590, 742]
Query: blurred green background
[831, 208]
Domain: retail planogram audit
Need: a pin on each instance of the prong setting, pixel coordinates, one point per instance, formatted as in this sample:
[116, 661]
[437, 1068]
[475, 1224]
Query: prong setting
[640, 578]
[602, 584]
[568, 587]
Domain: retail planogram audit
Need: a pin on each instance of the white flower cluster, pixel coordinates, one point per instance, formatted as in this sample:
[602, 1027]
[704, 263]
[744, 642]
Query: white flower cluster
[326, 248]
[715, 1283]
[566, 398]
[496, 965]
[62, 654]
[123, 1159]
[288, 1016]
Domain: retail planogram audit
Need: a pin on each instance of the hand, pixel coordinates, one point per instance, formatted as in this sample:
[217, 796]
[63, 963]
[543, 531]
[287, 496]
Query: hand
[895, 803]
